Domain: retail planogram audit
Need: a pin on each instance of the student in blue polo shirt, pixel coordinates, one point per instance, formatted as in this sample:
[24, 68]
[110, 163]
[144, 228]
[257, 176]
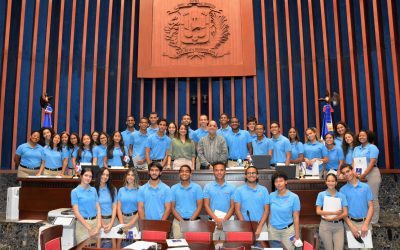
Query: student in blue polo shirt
[100, 151]
[331, 228]
[45, 136]
[117, 153]
[348, 145]
[238, 142]
[54, 158]
[107, 194]
[139, 140]
[157, 145]
[73, 146]
[154, 198]
[153, 128]
[282, 147]
[85, 152]
[297, 155]
[128, 132]
[371, 173]
[202, 131]
[28, 156]
[335, 154]
[341, 128]
[261, 144]
[218, 196]
[314, 150]
[252, 201]
[86, 206]
[187, 120]
[251, 127]
[360, 203]
[187, 200]
[127, 205]
[225, 129]
[284, 214]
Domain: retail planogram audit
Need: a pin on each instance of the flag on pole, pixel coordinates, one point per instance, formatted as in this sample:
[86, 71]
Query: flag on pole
[327, 123]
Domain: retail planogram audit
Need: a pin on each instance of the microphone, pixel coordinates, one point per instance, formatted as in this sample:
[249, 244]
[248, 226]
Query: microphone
[251, 225]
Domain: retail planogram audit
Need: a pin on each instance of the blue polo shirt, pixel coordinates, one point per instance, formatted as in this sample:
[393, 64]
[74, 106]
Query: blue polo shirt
[186, 198]
[100, 152]
[71, 152]
[127, 137]
[86, 200]
[198, 134]
[224, 131]
[129, 199]
[297, 149]
[281, 147]
[321, 196]
[334, 156]
[191, 133]
[282, 208]
[315, 150]
[86, 155]
[151, 130]
[106, 201]
[116, 159]
[349, 156]
[369, 151]
[158, 146]
[139, 141]
[52, 158]
[252, 200]
[261, 147]
[31, 157]
[154, 200]
[357, 198]
[338, 141]
[237, 144]
[220, 195]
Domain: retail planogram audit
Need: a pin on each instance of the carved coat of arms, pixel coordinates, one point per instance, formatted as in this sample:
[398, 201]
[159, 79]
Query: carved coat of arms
[196, 29]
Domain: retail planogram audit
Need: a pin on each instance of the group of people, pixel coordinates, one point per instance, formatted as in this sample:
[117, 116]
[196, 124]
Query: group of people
[172, 146]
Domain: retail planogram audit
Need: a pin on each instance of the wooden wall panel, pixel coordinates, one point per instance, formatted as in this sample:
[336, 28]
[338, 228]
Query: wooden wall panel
[262, 95]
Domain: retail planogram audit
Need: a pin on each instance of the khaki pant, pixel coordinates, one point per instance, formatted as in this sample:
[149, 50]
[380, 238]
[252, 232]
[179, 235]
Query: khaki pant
[332, 235]
[107, 221]
[218, 234]
[358, 225]
[127, 219]
[374, 181]
[180, 162]
[232, 164]
[25, 172]
[51, 172]
[282, 235]
[81, 232]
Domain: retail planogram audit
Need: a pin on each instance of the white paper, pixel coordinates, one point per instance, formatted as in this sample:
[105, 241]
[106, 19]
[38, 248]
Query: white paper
[139, 245]
[273, 248]
[65, 221]
[117, 167]
[179, 248]
[221, 214]
[177, 243]
[331, 204]
[263, 236]
[313, 169]
[352, 243]
[360, 164]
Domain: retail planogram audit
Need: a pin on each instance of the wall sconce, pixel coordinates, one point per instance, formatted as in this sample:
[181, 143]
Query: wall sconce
[193, 98]
[205, 99]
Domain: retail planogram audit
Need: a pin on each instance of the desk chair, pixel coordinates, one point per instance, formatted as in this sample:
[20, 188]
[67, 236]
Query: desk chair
[50, 238]
[155, 230]
[198, 230]
[239, 231]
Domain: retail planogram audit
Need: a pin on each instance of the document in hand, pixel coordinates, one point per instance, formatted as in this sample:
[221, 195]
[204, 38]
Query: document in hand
[360, 164]
[331, 204]
[139, 245]
[115, 232]
[353, 243]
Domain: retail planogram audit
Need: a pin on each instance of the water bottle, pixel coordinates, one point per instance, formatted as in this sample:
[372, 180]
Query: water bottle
[239, 163]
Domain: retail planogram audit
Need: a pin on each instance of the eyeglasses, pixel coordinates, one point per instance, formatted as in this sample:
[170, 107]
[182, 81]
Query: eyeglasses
[251, 173]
